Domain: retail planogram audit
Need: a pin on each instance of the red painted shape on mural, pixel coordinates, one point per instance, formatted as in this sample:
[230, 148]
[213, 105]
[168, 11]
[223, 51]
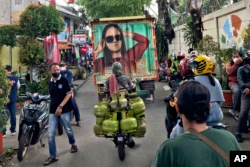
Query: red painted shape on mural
[236, 23]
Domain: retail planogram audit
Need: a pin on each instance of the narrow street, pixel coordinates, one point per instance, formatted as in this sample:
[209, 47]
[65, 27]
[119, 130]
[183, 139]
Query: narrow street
[101, 152]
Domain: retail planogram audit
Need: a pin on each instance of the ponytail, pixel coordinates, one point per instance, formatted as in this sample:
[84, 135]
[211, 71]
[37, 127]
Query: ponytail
[211, 79]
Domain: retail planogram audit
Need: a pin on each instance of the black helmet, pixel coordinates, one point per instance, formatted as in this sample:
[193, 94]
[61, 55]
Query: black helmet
[190, 50]
[8, 67]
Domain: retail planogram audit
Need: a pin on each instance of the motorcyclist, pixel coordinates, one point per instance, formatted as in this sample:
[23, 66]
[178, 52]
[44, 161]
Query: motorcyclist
[202, 67]
[118, 80]
[162, 70]
[175, 73]
[171, 117]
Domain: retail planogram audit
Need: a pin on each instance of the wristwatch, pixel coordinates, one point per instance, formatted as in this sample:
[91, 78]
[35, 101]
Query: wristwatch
[60, 107]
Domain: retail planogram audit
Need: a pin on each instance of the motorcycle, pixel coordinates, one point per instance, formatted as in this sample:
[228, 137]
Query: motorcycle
[163, 72]
[121, 119]
[172, 118]
[33, 123]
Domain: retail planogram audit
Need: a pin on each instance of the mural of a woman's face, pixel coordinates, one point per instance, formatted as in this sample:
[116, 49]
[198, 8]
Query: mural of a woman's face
[113, 39]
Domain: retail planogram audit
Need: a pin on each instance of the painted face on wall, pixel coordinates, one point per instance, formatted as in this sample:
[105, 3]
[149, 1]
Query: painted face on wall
[113, 39]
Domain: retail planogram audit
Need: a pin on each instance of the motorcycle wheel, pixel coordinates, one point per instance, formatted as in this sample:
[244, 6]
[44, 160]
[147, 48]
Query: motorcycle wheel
[131, 143]
[23, 146]
[121, 151]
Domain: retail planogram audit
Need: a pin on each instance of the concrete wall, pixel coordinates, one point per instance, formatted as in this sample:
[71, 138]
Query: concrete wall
[227, 26]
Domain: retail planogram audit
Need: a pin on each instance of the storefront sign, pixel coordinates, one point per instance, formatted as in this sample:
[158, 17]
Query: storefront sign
[79, 39]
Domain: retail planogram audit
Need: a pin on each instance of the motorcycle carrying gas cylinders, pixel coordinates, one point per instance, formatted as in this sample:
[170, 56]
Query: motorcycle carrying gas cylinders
[132, 117]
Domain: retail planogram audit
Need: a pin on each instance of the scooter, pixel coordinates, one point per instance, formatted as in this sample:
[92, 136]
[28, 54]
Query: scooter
[172, 118]
[33, 123]
[120, 119]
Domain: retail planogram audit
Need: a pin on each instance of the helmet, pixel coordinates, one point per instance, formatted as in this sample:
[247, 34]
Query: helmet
[180, 55]
[184, 66]
[202, 65]
[193, 54]
[190, 50]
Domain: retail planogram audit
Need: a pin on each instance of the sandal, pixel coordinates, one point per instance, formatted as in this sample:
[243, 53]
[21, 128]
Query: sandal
[74, 149]
[49, 161]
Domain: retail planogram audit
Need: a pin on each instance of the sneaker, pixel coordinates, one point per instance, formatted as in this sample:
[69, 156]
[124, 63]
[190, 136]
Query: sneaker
[239, 138]
[13, 133]
[74, 148]
[4, 134]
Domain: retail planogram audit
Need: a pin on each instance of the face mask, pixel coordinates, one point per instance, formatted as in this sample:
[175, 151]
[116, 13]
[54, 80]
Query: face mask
[63, 68]
[55, 75]
[235, 59]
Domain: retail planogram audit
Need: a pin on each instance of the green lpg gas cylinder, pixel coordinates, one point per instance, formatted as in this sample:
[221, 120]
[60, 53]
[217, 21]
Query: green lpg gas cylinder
[99, 120]
[110, 126]
[128, 124]
[101, 108]
[137, 105]
[140, 131]
[98, 130]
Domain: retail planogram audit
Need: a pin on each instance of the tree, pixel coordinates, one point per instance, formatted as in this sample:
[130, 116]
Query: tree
[161, 42]
[188, 30]
[37, 21]
[8, 35]
[113, 8]
[246, 43]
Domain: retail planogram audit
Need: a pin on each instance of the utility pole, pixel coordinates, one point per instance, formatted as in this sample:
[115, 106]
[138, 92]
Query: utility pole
[10, 48]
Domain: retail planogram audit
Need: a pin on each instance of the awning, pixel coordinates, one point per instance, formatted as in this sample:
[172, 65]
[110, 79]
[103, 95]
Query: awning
[64, 46]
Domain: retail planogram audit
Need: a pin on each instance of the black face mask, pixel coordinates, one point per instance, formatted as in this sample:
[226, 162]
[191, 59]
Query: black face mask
[56, 74]
[179, 58]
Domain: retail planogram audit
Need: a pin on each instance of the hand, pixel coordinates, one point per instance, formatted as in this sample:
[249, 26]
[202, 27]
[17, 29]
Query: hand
[239, 60]
[58, 111]
[11, 83]
[100, 47]
[246, 91]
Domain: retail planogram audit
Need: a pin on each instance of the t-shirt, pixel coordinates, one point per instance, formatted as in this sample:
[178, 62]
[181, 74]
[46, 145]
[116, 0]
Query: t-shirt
[67, 74]
[58, 90]
[187, 150]
[215, 91]
[14, 88]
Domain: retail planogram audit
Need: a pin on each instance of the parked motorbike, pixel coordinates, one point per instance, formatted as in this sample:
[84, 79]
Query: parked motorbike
[163, 72]
[172, 118]
[121, 119]
[33, 123]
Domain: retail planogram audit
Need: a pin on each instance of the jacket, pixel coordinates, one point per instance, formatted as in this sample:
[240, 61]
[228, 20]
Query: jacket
[243, 77]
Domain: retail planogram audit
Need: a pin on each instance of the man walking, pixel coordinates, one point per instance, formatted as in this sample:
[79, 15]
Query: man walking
[68, 74]
[60, 93]
[11, 106]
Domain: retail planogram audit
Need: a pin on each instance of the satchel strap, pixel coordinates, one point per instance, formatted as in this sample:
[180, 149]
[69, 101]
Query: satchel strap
[211, 144]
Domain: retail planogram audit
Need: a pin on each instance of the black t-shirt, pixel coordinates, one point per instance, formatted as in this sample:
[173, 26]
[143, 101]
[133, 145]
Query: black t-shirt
[58, 90]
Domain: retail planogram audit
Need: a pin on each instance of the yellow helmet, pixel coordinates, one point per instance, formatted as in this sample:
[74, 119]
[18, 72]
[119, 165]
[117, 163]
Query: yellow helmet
[202, 65]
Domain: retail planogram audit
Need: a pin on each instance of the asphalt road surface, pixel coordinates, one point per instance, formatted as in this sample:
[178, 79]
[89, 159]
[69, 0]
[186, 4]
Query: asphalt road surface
[101, 152]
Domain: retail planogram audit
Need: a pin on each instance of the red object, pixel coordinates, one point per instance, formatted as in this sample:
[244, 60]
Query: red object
[51, 49]
[1, 144]
[52, 2]
[70, 1]
[84, 49]
[183, 67]
[113, 84]
[228, 98]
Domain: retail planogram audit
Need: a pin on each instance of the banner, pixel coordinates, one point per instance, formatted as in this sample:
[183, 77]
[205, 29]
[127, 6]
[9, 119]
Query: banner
[77, 52]
[51, 49]
[174, 16]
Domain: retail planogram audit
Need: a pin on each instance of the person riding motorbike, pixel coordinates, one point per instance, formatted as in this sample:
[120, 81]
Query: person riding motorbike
[202, 68]
[171, 116]
[175, 73]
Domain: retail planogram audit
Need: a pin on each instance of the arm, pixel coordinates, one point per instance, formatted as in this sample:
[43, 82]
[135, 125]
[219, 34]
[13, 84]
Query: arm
[240, 79]
[70, 77]
[137, 51]
[231, 69]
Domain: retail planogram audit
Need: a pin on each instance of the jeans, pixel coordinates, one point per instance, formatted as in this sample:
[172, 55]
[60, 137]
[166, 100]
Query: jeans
[53, 122]
[76, 109]
[12, 114]
[243, 116]
[235, 88]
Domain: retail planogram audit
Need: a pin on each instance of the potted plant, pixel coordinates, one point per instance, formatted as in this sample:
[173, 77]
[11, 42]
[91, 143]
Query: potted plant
[5, 89]
[222, 58]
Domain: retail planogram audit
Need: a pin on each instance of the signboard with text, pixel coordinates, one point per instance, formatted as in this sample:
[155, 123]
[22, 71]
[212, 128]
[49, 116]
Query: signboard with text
[79, 39]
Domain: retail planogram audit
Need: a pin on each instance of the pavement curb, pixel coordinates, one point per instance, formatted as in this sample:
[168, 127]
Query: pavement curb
[84, 81]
